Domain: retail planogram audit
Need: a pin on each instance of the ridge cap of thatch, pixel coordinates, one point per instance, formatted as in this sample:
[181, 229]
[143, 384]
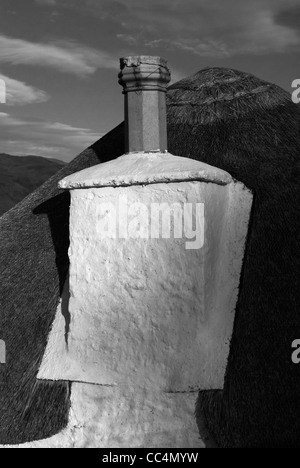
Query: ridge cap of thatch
[223, 94]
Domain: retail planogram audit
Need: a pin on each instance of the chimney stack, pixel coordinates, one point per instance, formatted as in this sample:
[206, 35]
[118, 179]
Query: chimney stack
[156, 249]
[145, 80]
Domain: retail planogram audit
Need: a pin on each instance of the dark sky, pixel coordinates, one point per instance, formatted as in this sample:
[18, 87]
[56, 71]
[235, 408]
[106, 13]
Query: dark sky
[60, 58]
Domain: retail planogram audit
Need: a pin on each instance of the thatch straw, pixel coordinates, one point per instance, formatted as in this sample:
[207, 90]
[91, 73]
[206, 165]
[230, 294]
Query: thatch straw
[233, 121]
[252, 130]
[34, 240]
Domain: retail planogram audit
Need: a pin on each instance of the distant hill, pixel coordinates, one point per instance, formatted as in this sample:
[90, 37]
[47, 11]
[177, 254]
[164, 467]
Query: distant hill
[21, 175]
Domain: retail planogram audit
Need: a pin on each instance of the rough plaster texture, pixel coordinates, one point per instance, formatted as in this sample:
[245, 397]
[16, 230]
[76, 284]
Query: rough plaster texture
[110, 417]
[144, 323]
[149, 312]
[145, 168]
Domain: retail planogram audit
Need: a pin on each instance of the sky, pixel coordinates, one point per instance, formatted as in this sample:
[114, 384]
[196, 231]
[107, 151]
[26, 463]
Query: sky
[59, 59]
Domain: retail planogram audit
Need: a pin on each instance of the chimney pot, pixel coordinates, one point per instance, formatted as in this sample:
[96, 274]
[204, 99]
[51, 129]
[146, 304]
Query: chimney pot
[145, 80]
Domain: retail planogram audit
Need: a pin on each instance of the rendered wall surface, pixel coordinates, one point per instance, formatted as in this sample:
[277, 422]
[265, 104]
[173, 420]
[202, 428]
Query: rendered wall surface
[145, 323]
[149, 312]
[107, 417]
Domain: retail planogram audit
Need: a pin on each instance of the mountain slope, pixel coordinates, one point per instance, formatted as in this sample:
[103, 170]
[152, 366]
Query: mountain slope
[20, 175]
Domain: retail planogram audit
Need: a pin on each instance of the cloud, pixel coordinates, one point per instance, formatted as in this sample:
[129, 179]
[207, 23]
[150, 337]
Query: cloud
[19, 93]
[46, 2]
[131, 40]
[202, 27]
[48, 139]
[289, 17]
[66, 56]
[204, 48]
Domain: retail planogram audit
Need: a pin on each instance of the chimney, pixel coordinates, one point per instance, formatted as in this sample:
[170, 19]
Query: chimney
[145, 81]
[156, 248]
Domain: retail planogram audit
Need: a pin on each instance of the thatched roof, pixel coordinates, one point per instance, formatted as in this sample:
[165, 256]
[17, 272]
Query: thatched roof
[233, 121]
[252, 130]
[34, 240]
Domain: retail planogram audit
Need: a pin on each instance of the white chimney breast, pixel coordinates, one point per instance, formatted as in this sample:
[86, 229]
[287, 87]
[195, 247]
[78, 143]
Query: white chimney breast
[148, 316]
[149, 311]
